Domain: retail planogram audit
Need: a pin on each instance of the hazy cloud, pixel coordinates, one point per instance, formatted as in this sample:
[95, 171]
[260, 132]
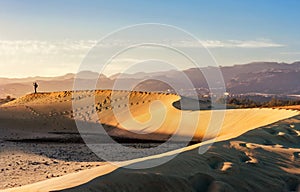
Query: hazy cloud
[290, 53]
[241, 44]
[56, 57]
[72, 47]
[44, 47]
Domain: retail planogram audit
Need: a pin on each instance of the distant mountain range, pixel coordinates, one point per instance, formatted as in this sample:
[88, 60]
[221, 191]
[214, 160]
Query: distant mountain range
[258, 77]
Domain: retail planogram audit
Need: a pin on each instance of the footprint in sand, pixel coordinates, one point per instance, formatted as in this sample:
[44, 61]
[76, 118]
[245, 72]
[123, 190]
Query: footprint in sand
[296, 156]
[280, 133]
[201, 181]
[243, 144]
[215, 162]
[271, 131]
[228, 167]
[248, 159]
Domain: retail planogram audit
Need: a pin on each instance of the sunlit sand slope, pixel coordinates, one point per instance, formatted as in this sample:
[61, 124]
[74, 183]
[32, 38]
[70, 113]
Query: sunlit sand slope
[263, 159]
[152, 116]
[138, 115]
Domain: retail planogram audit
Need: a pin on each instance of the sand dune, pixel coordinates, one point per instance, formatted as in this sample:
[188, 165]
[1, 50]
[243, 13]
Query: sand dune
[140, 115]
[246, 163]
[45, 115]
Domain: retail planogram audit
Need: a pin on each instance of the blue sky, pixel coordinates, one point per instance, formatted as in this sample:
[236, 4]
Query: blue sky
[271, 27]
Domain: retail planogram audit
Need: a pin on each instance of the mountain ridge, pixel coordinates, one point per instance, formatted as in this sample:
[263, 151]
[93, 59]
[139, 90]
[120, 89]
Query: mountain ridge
[260, 77]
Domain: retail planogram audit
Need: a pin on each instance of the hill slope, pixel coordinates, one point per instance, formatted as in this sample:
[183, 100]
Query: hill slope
[258, 77]
[138, 115]
[47, 119]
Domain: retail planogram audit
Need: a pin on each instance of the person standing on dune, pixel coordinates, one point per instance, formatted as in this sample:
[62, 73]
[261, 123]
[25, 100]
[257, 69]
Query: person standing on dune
[35, 85]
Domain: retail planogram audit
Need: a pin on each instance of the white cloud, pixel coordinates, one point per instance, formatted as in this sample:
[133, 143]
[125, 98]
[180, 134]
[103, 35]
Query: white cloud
[241, 44]
[263, 43]
[128, 60]
[52, 57]
[290, 53]
[73, 47]
[48, 58]
[44, 47]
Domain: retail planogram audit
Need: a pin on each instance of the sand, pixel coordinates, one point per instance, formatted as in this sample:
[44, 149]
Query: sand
[26, 163]
[238, 151]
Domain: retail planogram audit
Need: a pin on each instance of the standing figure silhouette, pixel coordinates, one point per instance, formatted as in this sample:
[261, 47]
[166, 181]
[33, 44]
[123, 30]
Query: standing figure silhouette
[35, 85]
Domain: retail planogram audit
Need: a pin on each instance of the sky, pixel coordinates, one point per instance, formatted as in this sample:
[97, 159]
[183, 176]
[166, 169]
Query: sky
[51, 38]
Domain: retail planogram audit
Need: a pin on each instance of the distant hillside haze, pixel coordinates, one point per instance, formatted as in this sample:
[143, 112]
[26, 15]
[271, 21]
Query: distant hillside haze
[263, 77]
[257, 77]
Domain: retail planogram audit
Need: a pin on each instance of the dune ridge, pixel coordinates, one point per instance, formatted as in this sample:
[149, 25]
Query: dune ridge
[58, 107]
[138, 113]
